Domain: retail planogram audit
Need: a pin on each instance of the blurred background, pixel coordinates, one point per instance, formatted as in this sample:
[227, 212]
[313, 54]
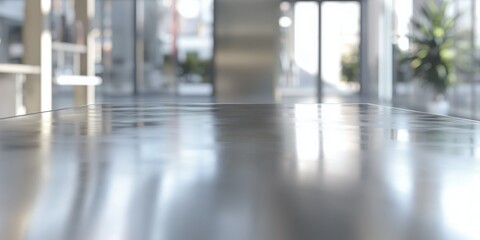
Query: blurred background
[416, 54]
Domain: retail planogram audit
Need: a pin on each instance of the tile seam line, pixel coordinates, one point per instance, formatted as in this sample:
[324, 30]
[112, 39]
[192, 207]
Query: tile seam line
[426, 113]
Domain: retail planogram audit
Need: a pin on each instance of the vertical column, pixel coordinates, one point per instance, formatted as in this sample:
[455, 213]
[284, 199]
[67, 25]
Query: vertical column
[38, 52]
[122, 52]
[385, 58]
[364, 73]
[85, 12]
[474, 76]
[138, 45]
[246, 50]
[377, 49]
[319, 76]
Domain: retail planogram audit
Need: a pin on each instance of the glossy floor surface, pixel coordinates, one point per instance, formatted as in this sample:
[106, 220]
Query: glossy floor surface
[228, 172]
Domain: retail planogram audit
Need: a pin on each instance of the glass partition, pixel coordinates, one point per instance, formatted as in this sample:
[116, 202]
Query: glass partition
[175, 44]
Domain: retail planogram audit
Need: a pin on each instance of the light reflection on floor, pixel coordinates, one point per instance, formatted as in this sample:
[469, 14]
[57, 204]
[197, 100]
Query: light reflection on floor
[213, 171]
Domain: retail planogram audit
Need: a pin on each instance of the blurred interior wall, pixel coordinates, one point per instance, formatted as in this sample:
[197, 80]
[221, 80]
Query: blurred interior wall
[246, 55]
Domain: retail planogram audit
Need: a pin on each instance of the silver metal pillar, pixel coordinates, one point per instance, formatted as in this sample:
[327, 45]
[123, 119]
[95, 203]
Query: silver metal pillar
[376, 50]
[246, 50]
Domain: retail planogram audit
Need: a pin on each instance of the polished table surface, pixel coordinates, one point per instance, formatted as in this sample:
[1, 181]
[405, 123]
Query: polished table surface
[228, 172]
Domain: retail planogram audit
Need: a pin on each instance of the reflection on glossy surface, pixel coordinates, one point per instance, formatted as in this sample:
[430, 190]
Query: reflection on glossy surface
[307, 139]
[207, 171]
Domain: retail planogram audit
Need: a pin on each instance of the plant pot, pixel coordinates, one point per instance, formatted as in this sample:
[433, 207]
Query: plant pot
[401, 88]
[438, 106]
[195, 89]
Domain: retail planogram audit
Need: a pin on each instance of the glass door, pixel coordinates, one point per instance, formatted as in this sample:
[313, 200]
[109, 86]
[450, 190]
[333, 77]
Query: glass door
[339, 43]
[299, 51]
[340, 51]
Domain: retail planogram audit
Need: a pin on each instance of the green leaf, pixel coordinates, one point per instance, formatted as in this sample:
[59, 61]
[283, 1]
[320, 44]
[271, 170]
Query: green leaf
[433, 42]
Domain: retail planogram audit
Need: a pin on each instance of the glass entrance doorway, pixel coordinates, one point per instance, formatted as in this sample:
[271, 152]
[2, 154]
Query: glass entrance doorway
[299, 51]
[338, 59]
[340, 51]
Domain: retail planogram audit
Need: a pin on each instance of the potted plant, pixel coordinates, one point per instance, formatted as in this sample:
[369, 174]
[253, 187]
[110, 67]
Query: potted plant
[402, 70]
[195, 74]
[351, 67]
[432, 57]
[194, 69]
